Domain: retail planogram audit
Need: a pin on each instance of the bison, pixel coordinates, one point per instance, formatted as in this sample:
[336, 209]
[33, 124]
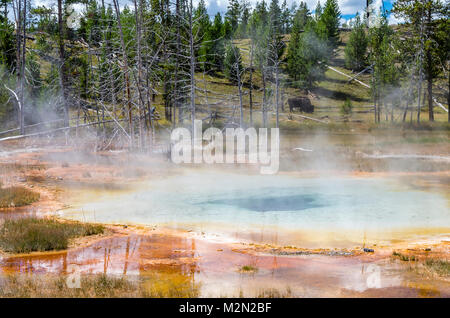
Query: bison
[303, 103]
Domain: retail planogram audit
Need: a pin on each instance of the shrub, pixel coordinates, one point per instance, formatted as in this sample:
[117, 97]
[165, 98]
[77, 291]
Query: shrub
[347, 107]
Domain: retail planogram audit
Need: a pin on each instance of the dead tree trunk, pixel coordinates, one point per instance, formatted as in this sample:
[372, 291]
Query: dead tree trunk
[251, 82]
[62, 62]
[22, 71]
[420, 62]
[126, 71]
[429, 73]
[238, 76]
[138, 16]
[192, 66]
[419, 92]
[277, 87]
[264, 111]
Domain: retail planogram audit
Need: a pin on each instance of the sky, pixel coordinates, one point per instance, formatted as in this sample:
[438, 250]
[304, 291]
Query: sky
[348, 8]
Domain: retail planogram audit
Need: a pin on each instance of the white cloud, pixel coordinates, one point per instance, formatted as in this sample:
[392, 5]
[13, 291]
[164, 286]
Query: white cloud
[351, 6]
[393, 20]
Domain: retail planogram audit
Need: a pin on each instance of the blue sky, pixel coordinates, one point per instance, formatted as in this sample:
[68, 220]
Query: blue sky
[348, 7]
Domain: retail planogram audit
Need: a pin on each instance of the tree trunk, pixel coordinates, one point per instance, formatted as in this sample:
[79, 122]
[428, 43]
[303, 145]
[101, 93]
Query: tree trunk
[429, 72]
[264, 114]
[138, 16]
[178, 43]
[62, 66]
[192, 68]
[419, 92]
[430, 99]
[125, 66]
[238, 75]
[251, 83]
[277, 85]
[22, 72]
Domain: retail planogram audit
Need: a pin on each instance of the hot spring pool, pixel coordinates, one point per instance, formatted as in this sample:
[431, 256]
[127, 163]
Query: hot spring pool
[319, 211]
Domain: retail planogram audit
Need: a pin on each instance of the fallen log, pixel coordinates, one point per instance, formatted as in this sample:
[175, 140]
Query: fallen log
[29, 126]
[53, 130]
[337, 71]
[305, 117]
[440, 105]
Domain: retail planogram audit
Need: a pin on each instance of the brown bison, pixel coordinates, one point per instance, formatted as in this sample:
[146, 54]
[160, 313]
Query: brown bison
[303, 103]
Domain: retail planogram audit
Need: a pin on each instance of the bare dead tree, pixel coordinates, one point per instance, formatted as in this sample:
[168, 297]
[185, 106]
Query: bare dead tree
[126, 72]
[62, 67]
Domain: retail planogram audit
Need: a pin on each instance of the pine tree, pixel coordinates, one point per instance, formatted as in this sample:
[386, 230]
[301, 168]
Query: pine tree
[307, 55]
[232, 63]
[233, 15]
[329, 23]
[242, 30]
[385, 75]
[7, 44]
[285, 18]
[275, 21]
[202, 30]
[423, 17]
[318, 11]
[356, 49]
[301, 16]
[212, 45]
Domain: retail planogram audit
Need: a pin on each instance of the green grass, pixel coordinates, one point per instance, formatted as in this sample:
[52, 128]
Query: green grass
[33, 234]
[17, 196]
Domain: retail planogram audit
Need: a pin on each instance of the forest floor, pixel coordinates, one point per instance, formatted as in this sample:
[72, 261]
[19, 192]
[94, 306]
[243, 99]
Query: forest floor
[174, 263]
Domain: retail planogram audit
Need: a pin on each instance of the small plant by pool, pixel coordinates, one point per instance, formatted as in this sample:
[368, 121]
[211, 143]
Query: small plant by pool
[33, 234]
[248, 269]
[17, 196]
[405, 258]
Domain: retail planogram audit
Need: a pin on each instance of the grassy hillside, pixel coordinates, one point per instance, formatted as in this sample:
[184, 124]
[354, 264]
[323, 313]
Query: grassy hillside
[215, 93]
[328, 96]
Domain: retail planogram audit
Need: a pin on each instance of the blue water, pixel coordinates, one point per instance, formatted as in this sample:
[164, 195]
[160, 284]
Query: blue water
[209, 202]
[296, 202]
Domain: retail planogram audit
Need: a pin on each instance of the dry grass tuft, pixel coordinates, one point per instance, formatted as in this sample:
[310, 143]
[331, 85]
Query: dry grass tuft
[33, 234]
[17, 196]
[93, 286]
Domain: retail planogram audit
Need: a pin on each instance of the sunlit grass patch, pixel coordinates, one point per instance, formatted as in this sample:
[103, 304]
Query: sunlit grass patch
[33, 234]
[441, 267]
[17, 196]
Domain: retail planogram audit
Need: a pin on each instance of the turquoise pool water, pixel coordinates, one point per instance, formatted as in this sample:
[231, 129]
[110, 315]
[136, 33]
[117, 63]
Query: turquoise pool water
[242, 204]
